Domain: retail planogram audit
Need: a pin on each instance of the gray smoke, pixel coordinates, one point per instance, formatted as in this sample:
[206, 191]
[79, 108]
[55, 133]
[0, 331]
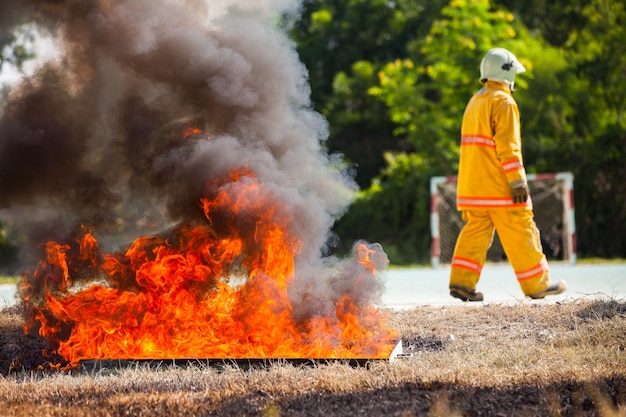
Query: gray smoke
[95, 138]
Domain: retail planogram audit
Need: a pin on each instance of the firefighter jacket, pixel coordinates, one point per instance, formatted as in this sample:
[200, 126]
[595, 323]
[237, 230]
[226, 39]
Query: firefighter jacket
[491, 151]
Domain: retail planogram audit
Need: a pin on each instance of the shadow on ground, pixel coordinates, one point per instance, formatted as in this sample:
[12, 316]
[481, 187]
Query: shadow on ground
[567, 398]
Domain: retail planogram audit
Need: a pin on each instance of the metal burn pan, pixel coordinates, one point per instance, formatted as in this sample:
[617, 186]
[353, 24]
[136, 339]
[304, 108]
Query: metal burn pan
[242, 363]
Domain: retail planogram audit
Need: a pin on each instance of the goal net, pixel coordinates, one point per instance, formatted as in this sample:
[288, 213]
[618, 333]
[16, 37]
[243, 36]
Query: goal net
[553, 207]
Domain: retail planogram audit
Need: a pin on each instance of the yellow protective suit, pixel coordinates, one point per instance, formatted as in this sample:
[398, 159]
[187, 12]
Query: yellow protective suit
[490, 164]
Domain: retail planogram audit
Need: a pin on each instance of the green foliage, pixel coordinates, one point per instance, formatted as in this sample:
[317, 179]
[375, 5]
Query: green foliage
[393, 78]
[6, 279]
[17, 47]
[425, 102]
[359, 132]
[571, 100]
[573, 118]
[393, 211]
[334, 34]
[8, 251]
[344, 43]
[427, 99]
[597, 69]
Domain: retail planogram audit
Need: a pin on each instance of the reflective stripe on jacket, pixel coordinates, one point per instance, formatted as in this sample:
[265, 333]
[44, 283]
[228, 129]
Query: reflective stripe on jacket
[491, 151]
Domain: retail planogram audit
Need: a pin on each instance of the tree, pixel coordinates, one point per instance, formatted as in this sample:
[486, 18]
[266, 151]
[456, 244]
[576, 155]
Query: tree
[344, 44]
[574, 113]
[426, 94]
[596, 87]
[16, 47]
[393, 210]
[571, 101]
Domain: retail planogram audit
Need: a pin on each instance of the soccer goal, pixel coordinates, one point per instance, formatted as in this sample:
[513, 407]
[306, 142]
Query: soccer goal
[553, 206]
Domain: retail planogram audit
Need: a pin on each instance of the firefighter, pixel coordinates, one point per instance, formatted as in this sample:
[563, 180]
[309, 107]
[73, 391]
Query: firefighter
[492, 190]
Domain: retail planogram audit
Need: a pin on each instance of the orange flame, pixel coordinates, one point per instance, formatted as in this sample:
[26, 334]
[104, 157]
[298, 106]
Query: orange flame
[192, 131]
[214, 290]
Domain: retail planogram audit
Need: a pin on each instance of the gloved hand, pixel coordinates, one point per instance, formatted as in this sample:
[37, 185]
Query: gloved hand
[520, 193]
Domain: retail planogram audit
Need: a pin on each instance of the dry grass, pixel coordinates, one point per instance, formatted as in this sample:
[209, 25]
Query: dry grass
[526, 359]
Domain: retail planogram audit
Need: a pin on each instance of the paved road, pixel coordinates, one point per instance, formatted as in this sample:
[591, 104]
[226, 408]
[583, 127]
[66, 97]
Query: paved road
[408, 288]
[7, 294]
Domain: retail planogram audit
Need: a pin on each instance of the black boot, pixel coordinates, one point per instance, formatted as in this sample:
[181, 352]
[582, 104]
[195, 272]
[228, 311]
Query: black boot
[465, 294]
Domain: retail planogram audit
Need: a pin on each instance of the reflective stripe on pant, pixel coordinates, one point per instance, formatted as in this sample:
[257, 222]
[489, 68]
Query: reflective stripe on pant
[520, 240]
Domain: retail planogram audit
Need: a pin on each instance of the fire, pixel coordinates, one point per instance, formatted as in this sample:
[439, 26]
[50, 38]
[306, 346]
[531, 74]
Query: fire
[216, 289]
[194, 131]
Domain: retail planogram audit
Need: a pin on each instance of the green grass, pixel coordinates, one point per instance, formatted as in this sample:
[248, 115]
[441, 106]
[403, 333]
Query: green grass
[4, 279]
[579, 261]
[596, 261]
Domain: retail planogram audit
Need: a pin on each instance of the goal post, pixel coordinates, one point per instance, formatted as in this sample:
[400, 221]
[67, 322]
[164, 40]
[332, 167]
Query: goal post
[553, 207]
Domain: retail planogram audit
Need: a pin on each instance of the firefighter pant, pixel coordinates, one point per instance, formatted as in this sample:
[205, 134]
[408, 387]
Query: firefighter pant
[520, 240]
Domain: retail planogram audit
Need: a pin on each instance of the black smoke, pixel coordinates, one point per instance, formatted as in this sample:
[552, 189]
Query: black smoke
[95, 137]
